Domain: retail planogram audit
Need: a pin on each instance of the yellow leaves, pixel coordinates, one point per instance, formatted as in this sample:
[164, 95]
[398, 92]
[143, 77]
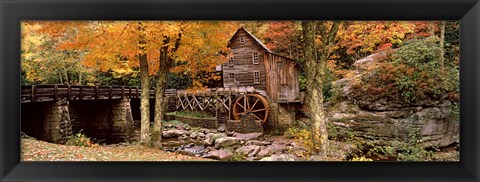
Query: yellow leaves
[366, 36]
[116, 45]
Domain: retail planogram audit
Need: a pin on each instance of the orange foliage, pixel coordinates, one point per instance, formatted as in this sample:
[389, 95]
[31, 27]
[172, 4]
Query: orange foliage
[371, 36]
[111, 45]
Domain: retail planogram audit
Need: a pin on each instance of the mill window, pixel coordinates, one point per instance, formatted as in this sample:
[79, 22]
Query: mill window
[232, 76]
[255, 58]
[242, 40]
[230, 61]
[256, 77]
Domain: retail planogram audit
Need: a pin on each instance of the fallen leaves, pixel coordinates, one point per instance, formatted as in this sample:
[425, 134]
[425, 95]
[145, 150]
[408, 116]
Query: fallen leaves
[34, 150]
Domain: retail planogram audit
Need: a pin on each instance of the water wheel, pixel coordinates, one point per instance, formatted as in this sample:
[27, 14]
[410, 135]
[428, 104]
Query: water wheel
[251, 103]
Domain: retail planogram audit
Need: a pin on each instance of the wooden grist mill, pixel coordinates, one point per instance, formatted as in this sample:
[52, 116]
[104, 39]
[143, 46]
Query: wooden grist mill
[255, 81]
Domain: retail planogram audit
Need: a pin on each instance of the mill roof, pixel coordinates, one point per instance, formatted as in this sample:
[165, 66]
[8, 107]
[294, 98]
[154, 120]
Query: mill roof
[258, 42]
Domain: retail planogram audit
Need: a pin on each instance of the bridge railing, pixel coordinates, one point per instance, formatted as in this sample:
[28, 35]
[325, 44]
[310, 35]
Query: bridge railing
[40, 93]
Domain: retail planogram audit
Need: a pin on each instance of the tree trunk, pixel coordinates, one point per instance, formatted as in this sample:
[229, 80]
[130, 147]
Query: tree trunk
[159, 97]
[60, 76]
[315, 68]
[145, 95]
[442, 47]
[314, 74]
[165, 63]
[66, 78]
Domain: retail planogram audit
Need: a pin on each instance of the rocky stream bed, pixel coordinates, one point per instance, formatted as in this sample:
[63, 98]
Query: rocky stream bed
[221, 145]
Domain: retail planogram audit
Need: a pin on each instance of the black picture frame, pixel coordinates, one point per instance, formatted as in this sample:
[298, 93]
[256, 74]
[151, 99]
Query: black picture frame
[12, 12]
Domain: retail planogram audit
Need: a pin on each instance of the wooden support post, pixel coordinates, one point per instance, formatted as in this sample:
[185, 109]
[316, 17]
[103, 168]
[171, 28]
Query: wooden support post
[55, 92]
[230, 106]
[110, 93]
[136, 92]
[69, 93]
[96, 93]
[80, 97]
[33, 93]
[130, 91]
[123, 91]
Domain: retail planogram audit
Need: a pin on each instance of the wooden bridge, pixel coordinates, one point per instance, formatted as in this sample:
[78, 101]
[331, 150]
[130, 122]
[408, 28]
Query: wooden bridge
[43, 107]
[214, 99]
[43, 93]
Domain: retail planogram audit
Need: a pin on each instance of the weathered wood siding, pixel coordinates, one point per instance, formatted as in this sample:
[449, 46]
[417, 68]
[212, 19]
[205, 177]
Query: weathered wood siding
[278, 74]
[282, 78]
[243, 67]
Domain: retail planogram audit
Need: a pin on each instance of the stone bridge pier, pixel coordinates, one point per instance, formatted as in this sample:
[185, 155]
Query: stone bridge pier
[107, 121]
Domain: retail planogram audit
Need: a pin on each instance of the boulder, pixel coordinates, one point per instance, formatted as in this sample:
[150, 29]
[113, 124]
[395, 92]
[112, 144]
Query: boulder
[255, 151]
[226, 142]
[216, 136]
[173, 133]
[258, 142]
[435, 126]
[184, 137]
[245, 150]
[366, 116]
[221, 128]
[222, 154]
[276, 148]
[211, 137]
[192, 150]
[207, 140]
[204, 130]
[181, 126]
[200, 135]
[230, 133]
[264, 151]
[247, 136]
[194, 135]
[249, 150]
[281, 157]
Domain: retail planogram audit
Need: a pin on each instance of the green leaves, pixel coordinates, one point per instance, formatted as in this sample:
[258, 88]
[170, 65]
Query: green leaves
[412, 73]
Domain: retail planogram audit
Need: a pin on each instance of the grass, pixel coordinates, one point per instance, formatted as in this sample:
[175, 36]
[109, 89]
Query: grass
[195, 114]
[34, 150]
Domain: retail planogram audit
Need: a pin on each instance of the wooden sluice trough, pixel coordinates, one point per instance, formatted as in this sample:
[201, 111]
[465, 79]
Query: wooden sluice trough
[234, 101]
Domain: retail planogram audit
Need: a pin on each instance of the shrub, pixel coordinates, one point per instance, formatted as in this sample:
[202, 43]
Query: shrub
[361, 159]
[410, 74]
[80, 140]
[303, 137]
[237, 157]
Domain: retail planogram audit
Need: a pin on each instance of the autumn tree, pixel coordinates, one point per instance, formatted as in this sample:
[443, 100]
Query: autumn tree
[43, 63]
[315, 61]
[362, 38]
[150, 45]
[284, 38]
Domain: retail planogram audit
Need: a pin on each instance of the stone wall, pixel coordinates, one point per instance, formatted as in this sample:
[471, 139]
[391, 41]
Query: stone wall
[47, 121]
[281, 117]
[170, 104]
[247, 124]
[211, 123]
